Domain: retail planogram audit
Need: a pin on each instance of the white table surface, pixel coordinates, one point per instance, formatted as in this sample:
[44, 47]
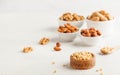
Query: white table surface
[20, 28]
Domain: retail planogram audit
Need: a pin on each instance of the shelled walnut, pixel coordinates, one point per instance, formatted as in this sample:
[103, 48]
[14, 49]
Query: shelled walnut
[27, 49]
[44, 41]
[106, 50]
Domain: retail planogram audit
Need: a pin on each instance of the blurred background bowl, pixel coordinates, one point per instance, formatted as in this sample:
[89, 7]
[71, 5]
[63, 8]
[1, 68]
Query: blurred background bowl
[90, 41]
[106, 27]
[67, 37]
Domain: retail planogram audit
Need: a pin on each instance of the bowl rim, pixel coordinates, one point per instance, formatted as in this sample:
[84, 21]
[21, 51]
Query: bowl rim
[113, 20]
[71, 21]
[68, 33]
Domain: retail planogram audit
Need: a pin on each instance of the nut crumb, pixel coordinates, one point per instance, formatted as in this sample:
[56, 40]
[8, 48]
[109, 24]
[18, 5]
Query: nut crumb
[44, 41]
[101, 69]
[101, 73]
[54, 71]
[27, 49]
[97, 70]
[64, 65]
[53, 62]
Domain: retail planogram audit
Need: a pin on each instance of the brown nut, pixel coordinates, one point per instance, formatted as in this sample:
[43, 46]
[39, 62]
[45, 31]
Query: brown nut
[106, 50]
[27, 49]
[91, 32]
[58, 44]
[44, 41]
[98, 32]
[57, 48]
[95, 19]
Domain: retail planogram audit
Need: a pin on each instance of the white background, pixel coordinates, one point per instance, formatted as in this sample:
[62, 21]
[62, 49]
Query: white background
[24, 22]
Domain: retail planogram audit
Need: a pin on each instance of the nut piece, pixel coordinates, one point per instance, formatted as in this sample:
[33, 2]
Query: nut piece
[101, 73]
[101, 15]
[54, 71]
[53, 62]
[57, 47]
[71, 17]
[58, 44]
[68, 28]
[91, 32]
[44, 41]
[27, 49]
[106, 50]
[99, 70]
[64, 65]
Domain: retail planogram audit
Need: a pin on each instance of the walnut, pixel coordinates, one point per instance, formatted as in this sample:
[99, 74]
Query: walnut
[44, 41]
[106, 50]
[27, 49]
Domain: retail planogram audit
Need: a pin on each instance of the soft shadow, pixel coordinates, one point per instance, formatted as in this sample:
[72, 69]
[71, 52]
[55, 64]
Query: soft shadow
[55, 39]
[51, 29]
[67, 66]
[102, 54]
[80, 44]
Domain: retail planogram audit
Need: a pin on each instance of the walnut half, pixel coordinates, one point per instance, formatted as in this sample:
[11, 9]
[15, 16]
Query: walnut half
[27, 49]
[44, 41]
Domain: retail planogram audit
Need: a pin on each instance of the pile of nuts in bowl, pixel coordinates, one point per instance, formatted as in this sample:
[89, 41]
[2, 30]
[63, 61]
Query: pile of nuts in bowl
[84, 55]
[71, 17]
[67, 32]
[67, 28]
[82, 60]
[100, 16]
[91, 32]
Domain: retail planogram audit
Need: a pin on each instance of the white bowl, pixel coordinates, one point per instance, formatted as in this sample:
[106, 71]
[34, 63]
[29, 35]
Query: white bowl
[67, 37]
[90, 41]
[74, 23]
[106, 27]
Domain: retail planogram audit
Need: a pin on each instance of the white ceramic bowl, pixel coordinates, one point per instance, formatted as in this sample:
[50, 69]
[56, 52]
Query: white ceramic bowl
[90, 41]
[75, 23]
[106, 27]
[67, 37]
